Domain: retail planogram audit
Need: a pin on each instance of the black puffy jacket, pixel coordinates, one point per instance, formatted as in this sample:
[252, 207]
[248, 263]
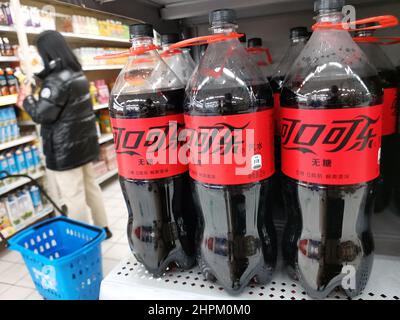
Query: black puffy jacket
[68, 126]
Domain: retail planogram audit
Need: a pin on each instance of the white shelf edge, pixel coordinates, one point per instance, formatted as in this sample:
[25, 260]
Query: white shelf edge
[17, 142]
[8, 59]
[7, 100]
[69, 35]
[105, 138]
[103, 67]
[26, 123]
[93, 37]
[100, 106]
[20, 182]
[107, 176]
[129, 281]
[46, 211]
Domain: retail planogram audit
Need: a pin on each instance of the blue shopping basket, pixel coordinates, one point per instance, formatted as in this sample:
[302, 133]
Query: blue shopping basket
[63, 257]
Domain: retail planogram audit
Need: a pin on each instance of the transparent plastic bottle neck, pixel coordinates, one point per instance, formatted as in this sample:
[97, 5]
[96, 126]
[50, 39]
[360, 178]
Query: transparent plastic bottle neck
[141, 42]
[333, 16]
[223, 28]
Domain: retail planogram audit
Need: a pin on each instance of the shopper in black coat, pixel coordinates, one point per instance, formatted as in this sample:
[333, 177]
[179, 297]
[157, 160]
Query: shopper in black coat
[68, 127]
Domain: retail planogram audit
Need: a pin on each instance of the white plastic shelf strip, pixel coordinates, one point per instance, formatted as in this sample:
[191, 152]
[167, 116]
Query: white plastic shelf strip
[129, 280]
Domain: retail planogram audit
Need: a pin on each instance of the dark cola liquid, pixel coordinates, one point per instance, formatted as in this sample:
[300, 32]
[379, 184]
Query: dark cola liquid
[278, 207]
[390, 144]
[328, 226]
[236, 238]
[161, 222]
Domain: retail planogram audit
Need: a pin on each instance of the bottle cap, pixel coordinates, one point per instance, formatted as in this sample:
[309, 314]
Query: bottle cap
[299, 32]
[329, 5]
[254, 43]
[141, 30]
[169, 38]
[222, 16]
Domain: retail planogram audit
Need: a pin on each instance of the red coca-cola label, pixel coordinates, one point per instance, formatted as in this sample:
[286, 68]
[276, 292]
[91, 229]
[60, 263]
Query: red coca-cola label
[148, 148]
[389, 120]
[231, 150]
[331, 146]
[277, 116]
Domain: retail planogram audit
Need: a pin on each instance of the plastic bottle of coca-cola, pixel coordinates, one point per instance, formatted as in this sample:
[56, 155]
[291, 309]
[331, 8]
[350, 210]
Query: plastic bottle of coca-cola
[259, 55]
[390, 135]
[146, 109]
[331, 105]
[179, 60]
[229, 115]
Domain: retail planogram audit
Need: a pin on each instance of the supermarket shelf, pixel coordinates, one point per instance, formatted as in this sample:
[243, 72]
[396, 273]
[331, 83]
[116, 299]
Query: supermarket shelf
[107, 176]
[17, 142]
[129, 280]
[45, 212]
[7, 100]
[100, 106]
[7, 29]
[70, 35]
[20, 182]
[103, 67]
[8, 59]
[105, 138]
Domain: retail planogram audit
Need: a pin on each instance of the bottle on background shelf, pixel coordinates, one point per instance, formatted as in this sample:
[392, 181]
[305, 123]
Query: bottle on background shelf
[331, 104]
[179, 60]
[228, 94]
[4, 90]
[390, 134]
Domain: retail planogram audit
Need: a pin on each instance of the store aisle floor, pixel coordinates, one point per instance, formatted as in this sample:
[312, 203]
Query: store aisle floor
[15, 282]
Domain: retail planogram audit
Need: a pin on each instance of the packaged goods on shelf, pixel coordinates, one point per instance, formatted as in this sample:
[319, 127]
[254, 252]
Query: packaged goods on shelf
[92, 26]
[100, 168]
[107, 154]
[111, 163]
[8, 82]
[6, 227]
[5, 14]
[9, 129]
[99, 92]
[107, 151]
[37, 18]
[93, 93]
[98, 130]
[25, 159]
[6, 49]
[105, 124]
[86, 56]
[20, 206]
[103, 93]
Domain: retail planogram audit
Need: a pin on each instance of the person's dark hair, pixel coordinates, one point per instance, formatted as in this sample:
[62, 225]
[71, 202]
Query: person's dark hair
[52, 46]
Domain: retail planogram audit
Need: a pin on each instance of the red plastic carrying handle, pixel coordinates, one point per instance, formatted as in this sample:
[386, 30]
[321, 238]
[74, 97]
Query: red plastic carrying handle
[205, 40]
[378, 40]
[128, 53]
[258, 50]
[381, 23]
[170, 53]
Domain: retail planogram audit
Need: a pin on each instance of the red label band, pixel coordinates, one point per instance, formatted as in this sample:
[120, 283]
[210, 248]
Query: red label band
[277, 116]
[231, 150]
[148, 148]
[332, 147]
[389, 120]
